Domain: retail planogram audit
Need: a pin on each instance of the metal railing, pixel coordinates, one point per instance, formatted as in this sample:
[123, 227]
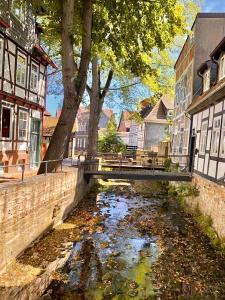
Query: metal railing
[109, 161]
[32, 166]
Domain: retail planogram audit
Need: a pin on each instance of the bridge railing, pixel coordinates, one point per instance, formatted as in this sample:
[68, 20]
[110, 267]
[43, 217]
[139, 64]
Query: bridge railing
[109, 161]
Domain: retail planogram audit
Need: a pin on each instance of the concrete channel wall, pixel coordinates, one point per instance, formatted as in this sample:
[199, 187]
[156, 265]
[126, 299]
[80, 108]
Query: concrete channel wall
[29, 208]
[210, 202]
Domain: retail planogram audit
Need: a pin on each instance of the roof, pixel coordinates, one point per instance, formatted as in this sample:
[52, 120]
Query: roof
[37, 49]
[219, 48]
[125, 121]
[49, 124]
[211, 96]
[200, 16]
[158, 114]
[108, 112]
[47, 113]
[168, 101]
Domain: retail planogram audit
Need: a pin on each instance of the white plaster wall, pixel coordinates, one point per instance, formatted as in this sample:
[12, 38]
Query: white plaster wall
[212, 168]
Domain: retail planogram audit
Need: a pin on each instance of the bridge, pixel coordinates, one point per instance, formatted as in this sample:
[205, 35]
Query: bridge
[133, 167]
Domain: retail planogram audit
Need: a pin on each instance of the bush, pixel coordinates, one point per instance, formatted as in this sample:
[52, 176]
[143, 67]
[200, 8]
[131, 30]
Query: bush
[111, 142]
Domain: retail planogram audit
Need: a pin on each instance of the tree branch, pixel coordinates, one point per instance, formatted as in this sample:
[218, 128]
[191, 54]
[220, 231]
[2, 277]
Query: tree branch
[124, 87]
[107, 84]
[88, 89]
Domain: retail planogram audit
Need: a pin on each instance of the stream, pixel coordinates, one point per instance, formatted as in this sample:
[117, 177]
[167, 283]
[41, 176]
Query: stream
[129, 241]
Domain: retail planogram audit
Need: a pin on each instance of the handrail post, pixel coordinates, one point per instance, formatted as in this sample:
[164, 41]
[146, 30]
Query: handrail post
[61, 165]
[46, 167]
[153, 165]
[23, 169]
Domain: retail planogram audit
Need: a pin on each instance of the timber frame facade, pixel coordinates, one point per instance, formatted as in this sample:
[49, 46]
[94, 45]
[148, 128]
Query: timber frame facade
[23, 76]
[208, 117]
[207, 31]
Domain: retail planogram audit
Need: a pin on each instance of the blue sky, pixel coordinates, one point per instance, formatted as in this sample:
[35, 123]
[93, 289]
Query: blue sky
[213, 6]
[207, 6]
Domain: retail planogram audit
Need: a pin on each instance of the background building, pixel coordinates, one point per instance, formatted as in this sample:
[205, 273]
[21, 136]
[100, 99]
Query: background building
[155, 126]
[124, 127]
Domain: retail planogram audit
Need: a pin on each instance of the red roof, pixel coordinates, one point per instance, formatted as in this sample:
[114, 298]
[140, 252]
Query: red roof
[47, 113]
[108, 112]
[125, 121]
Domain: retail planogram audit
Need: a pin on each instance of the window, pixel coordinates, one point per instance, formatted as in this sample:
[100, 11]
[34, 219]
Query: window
[6, 122]
[203, 139]
[34, 78]
[215, 136]
[206, 81]
[21, 70]
[222, 67]
[222, 147]
[18, 9]
[23, 122]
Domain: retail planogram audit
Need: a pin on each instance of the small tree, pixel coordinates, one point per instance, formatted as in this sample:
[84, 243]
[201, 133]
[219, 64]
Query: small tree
[111, 142]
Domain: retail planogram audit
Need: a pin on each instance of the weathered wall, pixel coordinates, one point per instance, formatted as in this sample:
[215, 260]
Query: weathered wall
[210, 202]
[29, 208]
[154, 134]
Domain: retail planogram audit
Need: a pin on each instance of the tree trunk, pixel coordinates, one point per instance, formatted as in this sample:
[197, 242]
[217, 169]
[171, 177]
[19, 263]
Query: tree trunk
[74, 80]
[96, 103]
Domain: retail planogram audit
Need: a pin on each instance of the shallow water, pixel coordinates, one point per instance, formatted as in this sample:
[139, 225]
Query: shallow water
[132, 244]
[115, 263]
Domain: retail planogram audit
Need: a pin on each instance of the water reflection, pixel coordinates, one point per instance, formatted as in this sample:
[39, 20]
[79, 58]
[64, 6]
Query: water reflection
[114, 263]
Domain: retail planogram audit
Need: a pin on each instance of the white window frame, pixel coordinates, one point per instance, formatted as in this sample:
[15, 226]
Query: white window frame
[222, 140]
[34, 78]
[21, 77]
[222, 67]
[206, 81]
[10, 124]
[203, 138]
[23, 122]
[215, 136]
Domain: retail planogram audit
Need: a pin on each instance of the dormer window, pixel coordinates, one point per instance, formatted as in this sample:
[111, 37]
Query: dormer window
[206, 81]
[222, 67]
[18, 9]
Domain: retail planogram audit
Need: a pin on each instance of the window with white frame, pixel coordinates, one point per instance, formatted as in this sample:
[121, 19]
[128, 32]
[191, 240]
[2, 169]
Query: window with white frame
[206, 81]
[215, 136]
[222, 142]
[222, 67]
[34, 78]
[23, 125]
[19, 9]
[203, 138]
[21, 70]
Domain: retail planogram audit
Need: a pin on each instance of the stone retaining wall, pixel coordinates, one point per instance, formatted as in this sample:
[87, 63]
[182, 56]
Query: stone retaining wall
[210, 202]
[29, 208]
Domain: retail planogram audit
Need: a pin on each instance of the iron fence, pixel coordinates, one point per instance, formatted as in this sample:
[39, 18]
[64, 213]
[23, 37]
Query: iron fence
[21, 168]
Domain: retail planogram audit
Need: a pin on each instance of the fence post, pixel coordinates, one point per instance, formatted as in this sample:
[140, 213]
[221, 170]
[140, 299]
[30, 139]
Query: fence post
[23, 169]
[46, 167]
[61, 165]
[153, 165]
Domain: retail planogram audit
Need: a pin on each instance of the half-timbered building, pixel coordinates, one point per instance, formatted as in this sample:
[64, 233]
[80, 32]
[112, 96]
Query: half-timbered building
[207, 32]
[208, 118]
[23, 75]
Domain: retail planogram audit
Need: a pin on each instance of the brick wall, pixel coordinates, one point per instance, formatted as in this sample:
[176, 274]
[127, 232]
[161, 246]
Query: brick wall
[210, 202]
[29, 208]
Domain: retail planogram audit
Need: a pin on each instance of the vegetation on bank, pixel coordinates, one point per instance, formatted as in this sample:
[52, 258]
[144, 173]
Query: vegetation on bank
[180, 193]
